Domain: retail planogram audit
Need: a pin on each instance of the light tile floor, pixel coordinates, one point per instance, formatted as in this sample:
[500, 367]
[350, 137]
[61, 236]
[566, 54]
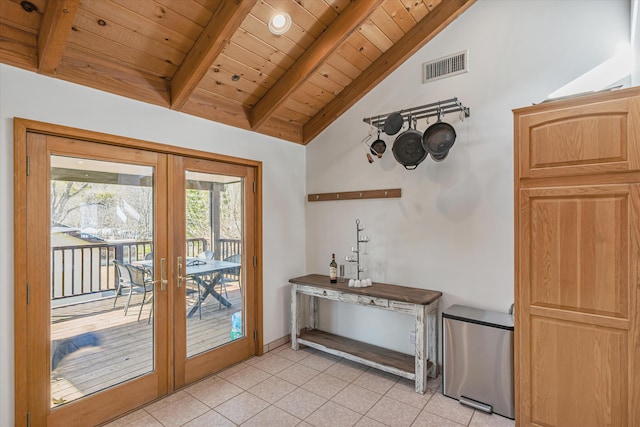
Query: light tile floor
[307, 388]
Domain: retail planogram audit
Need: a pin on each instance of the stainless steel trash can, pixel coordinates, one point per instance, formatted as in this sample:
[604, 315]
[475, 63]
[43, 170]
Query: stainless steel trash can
[478, 359]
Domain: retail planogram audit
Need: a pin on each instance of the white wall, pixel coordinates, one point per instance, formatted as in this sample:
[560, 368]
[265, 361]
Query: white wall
[28, 95]
[452, 229]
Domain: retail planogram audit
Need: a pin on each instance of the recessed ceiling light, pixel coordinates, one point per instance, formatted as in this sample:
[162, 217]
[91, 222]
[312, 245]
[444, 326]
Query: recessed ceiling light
[280, 23]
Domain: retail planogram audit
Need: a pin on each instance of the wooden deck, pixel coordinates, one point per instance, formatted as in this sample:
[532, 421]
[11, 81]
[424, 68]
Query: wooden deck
[126, 346]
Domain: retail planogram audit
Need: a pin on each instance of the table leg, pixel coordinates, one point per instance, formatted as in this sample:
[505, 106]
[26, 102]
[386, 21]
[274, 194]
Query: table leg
[432, 333]
[199, 300]
[421, 349]
[209, 289]
[219, 297]
[294, 317]
[313, 312]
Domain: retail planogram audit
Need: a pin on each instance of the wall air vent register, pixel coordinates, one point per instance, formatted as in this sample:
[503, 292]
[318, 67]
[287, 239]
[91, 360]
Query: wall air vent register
[446, 66]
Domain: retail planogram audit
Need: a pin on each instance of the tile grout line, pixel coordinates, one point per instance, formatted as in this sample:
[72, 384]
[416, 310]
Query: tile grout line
[242, 366]
[361, 416]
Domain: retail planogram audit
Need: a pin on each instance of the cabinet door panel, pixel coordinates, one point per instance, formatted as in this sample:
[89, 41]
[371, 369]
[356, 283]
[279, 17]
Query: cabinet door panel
[577, 247]
[579, 251]
[578, 375]
[595, 138]
[576, 326]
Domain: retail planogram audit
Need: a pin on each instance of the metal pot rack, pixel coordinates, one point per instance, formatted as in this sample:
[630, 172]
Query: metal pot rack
[423, 111]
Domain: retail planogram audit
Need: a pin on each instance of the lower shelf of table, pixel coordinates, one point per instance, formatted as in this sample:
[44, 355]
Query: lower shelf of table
[367, 354]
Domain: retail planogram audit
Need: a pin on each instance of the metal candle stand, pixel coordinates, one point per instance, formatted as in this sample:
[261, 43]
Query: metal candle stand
[356, 258]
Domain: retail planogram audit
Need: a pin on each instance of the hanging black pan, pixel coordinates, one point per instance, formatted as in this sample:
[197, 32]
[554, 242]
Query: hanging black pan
[393, 123]
[378, 147]
[408, 149]
[439, 138]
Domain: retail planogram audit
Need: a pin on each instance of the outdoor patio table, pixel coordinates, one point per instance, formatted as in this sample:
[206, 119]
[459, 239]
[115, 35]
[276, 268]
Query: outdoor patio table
[198, 270]
[202, 269]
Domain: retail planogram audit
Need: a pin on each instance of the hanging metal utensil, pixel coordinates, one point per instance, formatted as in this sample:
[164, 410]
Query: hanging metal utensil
[439, 138]
[393, 123]
[408, 149]
[367, 147]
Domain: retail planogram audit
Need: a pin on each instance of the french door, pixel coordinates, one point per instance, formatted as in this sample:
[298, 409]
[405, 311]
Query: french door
[213, 304]
[140, 276]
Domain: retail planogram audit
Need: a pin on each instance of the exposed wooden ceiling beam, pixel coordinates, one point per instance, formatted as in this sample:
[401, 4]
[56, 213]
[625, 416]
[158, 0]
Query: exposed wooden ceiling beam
[424, 31]
[213, 39]
[222, 110]
[55, 28]
[350, 19]
[110, 77]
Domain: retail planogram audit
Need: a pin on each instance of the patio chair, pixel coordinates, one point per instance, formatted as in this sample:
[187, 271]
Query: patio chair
[139, 279]
[124, 282]
[130, 277]
[194, 286]
[230, 275]
[208, 255]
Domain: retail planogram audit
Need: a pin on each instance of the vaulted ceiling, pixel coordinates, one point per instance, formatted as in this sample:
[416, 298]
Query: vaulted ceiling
[217, 59]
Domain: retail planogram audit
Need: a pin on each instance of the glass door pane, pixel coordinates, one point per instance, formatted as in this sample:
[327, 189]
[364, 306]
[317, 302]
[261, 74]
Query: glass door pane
[214, 260]
[102, 231]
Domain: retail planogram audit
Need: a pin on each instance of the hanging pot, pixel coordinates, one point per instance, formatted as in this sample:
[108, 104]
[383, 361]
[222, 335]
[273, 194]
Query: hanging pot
[393, 123]
[378, 147]
[408, 149]
[439, 138]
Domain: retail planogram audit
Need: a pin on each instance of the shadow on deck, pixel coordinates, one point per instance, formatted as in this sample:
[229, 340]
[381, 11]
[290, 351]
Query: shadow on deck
[126, 344]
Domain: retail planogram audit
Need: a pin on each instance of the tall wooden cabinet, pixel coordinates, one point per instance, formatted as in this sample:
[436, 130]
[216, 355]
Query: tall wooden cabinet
[577, 261]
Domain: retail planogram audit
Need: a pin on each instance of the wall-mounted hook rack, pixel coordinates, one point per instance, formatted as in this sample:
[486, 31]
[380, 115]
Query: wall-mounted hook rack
[351, 195]
[423, 111]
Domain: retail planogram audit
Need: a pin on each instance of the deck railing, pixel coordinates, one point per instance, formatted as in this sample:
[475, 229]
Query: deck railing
[88, 269]
[229, 247]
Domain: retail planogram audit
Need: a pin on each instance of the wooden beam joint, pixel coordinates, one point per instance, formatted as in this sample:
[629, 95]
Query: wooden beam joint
[214, 38]
[409, 44]
[347, 22]
[55, 28]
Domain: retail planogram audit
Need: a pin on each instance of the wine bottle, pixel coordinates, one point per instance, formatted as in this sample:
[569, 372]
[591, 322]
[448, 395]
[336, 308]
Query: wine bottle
[333, 269]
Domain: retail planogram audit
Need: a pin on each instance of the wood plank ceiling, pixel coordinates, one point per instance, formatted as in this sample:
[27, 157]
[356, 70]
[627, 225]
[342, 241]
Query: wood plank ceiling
[218, 60]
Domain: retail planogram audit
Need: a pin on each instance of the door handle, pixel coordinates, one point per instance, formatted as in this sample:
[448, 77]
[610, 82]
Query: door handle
[163, 275]
[181, 278]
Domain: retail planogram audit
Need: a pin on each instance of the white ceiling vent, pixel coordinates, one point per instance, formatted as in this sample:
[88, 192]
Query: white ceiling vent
[446, 66]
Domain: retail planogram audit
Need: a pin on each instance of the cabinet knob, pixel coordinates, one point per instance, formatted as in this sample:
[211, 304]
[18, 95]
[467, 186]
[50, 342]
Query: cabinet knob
[324, 293]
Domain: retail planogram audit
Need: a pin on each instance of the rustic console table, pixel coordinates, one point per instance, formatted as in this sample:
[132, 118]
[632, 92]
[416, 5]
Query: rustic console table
[420, 303]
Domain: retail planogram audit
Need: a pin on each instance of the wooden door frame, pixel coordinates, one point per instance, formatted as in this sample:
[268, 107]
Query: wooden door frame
[21, 127]
[138, 390]
[189, 369]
